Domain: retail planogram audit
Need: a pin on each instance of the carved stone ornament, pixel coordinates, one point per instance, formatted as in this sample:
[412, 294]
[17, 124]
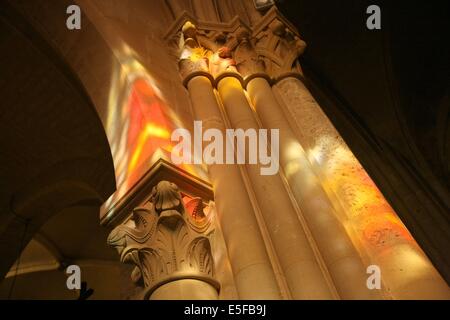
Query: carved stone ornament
[168, 241]
[271, 46]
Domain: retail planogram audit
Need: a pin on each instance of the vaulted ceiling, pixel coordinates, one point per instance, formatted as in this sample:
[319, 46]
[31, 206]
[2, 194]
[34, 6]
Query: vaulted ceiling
[54, 152]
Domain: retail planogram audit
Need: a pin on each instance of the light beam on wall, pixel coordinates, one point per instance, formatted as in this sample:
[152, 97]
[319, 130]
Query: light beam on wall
[139, 125]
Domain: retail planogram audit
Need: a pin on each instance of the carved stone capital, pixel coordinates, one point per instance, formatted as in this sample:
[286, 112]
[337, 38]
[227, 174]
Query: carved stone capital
[247, 59]
[278, 42]
[167, 240]
[271, 46]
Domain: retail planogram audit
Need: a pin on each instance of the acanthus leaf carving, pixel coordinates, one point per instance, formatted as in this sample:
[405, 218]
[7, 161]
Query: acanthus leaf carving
[168, 239]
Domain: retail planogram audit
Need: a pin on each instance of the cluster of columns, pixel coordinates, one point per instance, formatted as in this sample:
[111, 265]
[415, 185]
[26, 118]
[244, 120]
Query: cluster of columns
[293, 224]
[250, 260]
[308, 232]
[303, 240]
[340, 256]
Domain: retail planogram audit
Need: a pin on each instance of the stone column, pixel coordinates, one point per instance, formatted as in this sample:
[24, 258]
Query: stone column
[304, 275]
[252, 269]
[341, 257]
[375, 228]
[172, 259]
[338, 199]
[250, 254]
[298, 257]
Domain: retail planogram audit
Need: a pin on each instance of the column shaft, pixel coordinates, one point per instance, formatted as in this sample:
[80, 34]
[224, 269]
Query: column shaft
[252, 269]
[339, 254]
[305, 276]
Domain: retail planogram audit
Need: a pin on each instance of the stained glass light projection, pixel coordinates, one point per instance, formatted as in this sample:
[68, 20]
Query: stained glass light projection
[139, 127]
[374, 227]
